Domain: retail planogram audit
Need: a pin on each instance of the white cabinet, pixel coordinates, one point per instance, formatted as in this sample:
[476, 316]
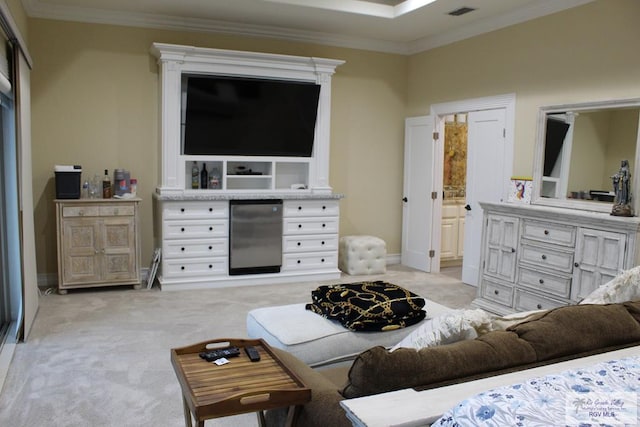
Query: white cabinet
[537, 258]
[98, 243]
[452, 232]
[194, 236]
[194, 239]
[310, 235]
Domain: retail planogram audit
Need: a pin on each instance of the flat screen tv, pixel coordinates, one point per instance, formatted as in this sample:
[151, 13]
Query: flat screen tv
[229, 116]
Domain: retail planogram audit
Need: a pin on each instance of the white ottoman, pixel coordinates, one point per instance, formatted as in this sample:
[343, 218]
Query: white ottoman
[318, 341]
[362, 255]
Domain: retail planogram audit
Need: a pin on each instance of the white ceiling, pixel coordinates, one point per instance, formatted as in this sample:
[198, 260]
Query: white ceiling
[397, 26]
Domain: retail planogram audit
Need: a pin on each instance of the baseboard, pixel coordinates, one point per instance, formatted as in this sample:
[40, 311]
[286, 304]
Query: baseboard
[393, 259]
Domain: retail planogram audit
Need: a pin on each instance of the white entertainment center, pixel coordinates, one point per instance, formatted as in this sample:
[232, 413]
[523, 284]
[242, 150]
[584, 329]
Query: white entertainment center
[192, 225]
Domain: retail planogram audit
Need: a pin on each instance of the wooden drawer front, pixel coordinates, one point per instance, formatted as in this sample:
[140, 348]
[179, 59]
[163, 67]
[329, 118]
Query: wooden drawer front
[526, 301]
[557, 285]
[76, 211]
[194, 267]
[310, 261]
[548, 232]
[195, 229]
[296, 208]
[310, 225]
[195, 248]
[195, 210]
[310, 243]
[496, 292]
[117, 210]
[547, 257]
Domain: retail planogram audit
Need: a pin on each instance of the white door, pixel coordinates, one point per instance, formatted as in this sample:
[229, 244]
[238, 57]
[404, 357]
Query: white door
[486, 180]
[418, 185]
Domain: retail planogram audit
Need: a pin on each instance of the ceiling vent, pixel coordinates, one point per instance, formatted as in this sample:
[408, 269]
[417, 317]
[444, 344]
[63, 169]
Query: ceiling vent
[461, 11]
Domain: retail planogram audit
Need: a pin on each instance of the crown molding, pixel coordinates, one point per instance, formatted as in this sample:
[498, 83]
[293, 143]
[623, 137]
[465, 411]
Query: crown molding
[38, 9]
[535, 10]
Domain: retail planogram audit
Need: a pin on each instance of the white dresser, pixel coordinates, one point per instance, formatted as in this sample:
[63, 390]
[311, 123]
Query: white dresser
[193, 232]
[536, 257]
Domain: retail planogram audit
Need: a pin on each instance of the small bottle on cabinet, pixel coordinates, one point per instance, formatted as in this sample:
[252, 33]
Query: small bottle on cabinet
[133, 187]
[195, 175]
[214, 179]
[106, 185]
[204, 177]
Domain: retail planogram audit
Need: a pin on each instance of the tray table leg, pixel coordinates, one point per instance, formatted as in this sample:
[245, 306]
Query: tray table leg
[187, 413]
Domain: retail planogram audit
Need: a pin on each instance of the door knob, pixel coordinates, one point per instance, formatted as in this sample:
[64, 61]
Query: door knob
[468, 207]
[404, 199]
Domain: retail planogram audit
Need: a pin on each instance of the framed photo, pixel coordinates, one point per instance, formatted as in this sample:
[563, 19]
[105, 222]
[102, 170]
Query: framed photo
[520, 190]
[153, 269]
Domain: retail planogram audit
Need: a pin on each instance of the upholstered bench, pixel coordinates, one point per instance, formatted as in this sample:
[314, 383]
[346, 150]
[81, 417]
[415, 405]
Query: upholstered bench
[318, 341]
[362, 255]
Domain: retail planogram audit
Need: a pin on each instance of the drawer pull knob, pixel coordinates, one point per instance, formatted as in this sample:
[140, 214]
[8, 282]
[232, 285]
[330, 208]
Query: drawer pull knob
[210, 247]
[322, 243]
[324, 207]
[544, 257]
[210, 228]
[299, 244]
[299, 225]
[322, 260]
[539, 306]
[81, 213]
[210, 266]
[299, 208]
[182, 229]
[541, 281]
[182, 249]
[324, 225]
[210, 209]
[299, 261]
[496, 292]
[546, 232]
[576, 265]
[181, 209]
[182, 267]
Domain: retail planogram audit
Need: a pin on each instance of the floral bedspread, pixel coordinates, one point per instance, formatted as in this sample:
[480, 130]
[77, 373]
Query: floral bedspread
[606, 393]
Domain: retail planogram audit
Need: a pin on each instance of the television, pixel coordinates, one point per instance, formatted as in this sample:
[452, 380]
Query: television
[233, 116]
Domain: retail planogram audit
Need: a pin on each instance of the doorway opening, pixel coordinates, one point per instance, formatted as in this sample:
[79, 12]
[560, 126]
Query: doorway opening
[454, 171]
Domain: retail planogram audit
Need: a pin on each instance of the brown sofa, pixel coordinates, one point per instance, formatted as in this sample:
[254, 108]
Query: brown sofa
[553, 336]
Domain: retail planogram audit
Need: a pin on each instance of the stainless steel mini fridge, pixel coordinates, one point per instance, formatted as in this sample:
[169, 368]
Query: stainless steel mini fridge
[255, 236]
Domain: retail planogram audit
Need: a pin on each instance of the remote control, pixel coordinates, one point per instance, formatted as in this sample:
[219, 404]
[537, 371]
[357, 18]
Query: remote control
[253, 354]
[212, 355]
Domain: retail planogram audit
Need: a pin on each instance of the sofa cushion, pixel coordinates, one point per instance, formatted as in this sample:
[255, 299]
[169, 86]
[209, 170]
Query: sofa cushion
[576, 329]
[378, 370]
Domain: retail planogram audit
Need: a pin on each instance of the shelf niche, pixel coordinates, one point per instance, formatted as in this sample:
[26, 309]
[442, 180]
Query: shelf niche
[277, 173]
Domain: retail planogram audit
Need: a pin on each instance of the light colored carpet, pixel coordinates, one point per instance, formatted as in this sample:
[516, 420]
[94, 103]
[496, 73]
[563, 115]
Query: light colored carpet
[101, 357]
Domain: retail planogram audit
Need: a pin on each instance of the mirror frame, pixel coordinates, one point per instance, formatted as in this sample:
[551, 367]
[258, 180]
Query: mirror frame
[538, 165]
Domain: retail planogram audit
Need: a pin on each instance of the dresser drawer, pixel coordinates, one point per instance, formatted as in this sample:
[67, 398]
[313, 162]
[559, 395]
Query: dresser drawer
[296, 208]
[312, 243]
[195, 229]
[116, 210]
[553, 284]
[195, 248]
[76, 211]
[526, 301]
[548, 232]
[496, 292]
[195, 210]
[310, 225]
[310, 261]
[195, 267]
[540, 256]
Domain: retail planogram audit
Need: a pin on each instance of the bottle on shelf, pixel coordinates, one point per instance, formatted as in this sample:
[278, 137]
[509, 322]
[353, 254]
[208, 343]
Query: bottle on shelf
[133, 186]
[214, 179]
[195, 176]
[106, 185]
[204, 177]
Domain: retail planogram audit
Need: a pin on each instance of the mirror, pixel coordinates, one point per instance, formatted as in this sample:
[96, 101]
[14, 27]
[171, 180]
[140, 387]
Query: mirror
[579, 148]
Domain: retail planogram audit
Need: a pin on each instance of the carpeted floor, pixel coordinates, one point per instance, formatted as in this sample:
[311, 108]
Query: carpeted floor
[101, 357]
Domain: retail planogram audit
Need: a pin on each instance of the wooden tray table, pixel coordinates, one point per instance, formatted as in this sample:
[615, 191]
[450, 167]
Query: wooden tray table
[240, 386]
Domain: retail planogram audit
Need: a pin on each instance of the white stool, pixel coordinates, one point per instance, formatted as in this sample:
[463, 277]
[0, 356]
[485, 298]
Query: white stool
[362, 255]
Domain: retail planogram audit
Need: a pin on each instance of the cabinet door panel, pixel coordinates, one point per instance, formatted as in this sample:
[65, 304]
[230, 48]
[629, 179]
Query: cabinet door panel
[502, 240]
[118, 250]
[80, 249]
[449, 238]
